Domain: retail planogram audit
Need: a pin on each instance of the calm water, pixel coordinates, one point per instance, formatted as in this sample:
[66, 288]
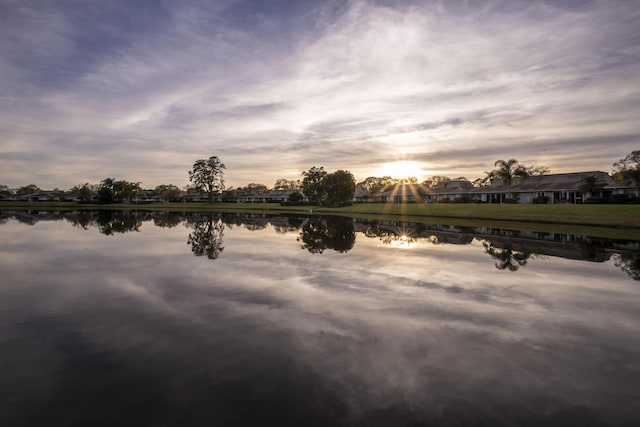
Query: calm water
[163, 319]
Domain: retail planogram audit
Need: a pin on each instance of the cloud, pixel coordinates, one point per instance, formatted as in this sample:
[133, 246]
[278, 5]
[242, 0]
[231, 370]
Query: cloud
[351, 86]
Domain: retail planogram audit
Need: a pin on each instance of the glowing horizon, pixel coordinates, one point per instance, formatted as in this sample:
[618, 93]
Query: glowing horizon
[275, 87]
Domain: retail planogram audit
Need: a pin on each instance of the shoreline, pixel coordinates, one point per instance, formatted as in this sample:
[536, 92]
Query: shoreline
[615, 221]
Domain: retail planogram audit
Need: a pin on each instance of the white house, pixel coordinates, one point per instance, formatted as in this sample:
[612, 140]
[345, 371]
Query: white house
[558, 188]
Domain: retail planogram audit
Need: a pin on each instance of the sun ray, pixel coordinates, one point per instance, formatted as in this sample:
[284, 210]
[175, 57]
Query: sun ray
[402, 169]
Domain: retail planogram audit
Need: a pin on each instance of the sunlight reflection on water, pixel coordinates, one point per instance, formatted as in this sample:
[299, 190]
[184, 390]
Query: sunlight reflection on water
[312, 322]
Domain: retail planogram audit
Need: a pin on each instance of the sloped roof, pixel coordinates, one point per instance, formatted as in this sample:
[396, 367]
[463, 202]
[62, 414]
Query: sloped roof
[406, 190]
[546, 183]
[361, 192]
[261, 194]
[454, 186]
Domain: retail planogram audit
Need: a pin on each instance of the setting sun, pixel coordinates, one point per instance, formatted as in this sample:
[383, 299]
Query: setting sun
[402, 169]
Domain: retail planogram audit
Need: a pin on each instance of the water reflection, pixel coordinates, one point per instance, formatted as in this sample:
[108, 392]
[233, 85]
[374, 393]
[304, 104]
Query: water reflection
[403, 237]
[319, 234]
[206, 237]
[134, 329]
[510, 250]
[168, 219]
[629, 263]
[506, 258]
[110, 222]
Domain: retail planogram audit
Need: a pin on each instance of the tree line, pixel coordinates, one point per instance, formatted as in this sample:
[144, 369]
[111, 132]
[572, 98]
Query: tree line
[317, 185]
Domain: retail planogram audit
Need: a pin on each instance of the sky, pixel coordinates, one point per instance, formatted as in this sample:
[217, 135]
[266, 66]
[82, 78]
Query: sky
[139, 90]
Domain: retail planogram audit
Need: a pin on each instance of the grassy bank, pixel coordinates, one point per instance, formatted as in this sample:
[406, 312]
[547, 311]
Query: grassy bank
[621, 221]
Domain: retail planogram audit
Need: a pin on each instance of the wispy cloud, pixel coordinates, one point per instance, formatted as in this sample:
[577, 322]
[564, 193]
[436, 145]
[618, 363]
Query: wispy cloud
[143, 92]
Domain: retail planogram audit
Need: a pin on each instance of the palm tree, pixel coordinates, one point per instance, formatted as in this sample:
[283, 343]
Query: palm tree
[506, 258]
[591, 184]
[506, 171]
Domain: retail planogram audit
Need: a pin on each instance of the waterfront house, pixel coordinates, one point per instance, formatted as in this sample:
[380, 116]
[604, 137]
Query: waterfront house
[450, 190]
[404, 193]
[552, 188]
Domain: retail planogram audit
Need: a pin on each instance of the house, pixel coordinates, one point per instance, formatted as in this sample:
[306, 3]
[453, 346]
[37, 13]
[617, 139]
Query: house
[404, 193]
[556, 188]
[361, 195]
[195, 197]
[48, 196]
[276, 196]
[8, 197]
[261, 196]
[450, 190]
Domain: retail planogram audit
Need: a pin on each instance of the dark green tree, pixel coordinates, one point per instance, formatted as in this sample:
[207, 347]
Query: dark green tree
[313, 186]
[105, 191]
[28, 189]
[5, 190]
[167, 191]
[339, 187]
[286, 184]
[375, 185]
[124, 191]
[229, 194]
[117, 191]
[628, 168]
[84, 192]
[208, 175]
[537, 170]
[296, 197]
[436, 179]
[254, 186]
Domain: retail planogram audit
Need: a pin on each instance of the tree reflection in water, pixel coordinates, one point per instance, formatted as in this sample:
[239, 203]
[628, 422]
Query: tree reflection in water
[206, 238]
[167, 219]
[338, 233]
[405, 237]
[335, 233]
[83, 219]
[506, 258]
[110, 222]
[629, 263]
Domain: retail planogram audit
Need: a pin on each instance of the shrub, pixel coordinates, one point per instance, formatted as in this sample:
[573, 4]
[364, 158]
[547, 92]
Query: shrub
[621, 199]
[463, 199]
[595, 201]
[298, 203]
[510, 201]
[542, 200]
[445, 200]
[295, 197]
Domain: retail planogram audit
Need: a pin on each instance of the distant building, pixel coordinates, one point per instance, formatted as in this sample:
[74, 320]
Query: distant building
[361, 195]
[558, 188]
[404, 193]
[261, 196]
[450, 190]
[47, 196]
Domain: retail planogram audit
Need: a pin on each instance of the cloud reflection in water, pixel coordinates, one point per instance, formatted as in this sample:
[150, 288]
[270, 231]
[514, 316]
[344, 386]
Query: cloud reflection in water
[135, 325]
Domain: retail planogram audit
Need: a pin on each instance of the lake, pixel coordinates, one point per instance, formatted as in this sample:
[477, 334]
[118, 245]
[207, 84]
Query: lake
[131, 318]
